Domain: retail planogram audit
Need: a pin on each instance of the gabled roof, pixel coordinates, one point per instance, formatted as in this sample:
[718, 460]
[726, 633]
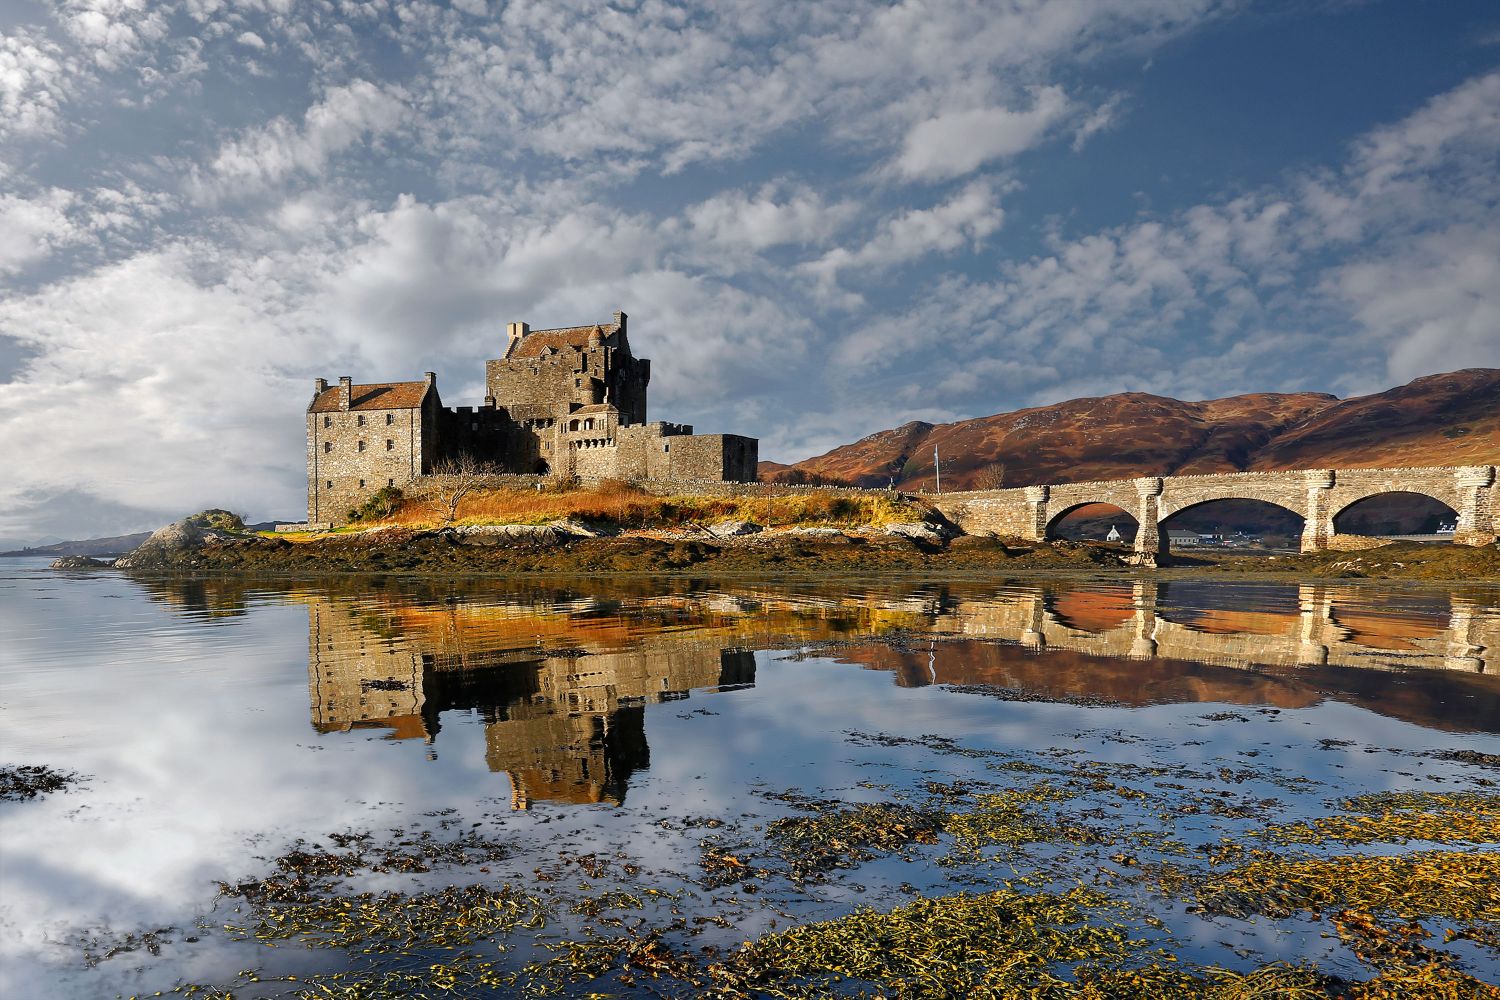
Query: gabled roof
[375, 396]
[538, 342]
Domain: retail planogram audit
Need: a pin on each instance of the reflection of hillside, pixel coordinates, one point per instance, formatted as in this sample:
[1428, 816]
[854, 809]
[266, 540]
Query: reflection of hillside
[1094, 610]
[1064, 675]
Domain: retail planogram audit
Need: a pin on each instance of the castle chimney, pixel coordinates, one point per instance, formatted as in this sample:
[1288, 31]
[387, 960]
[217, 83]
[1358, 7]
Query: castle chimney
[620, 321]
[430, 378]
[346, 391]
[489, 402]
[320, 386]
[517, 330]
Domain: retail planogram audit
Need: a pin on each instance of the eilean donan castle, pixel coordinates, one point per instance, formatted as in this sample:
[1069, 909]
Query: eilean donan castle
[564, 402]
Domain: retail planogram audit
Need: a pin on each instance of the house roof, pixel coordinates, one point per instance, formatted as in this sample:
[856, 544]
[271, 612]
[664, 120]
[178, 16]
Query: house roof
[375, 396]
[538, 342]
[596, 408]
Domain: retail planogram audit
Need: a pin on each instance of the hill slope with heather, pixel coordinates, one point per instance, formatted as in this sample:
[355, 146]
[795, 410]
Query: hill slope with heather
[1449, 419]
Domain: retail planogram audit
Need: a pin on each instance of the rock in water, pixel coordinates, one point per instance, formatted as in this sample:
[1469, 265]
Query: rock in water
[79, 562]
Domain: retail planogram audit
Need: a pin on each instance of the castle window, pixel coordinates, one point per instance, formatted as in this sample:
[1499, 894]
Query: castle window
[361, 484]
[390, 482]
[588, 424]
[327, 421]
[330, 484]
[327, 447]
[361, 446]
[390, 418]
[389, 444]
[360, 420]
[666, 448]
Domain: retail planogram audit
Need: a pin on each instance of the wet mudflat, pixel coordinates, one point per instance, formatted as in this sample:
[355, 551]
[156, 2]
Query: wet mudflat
[400, 788]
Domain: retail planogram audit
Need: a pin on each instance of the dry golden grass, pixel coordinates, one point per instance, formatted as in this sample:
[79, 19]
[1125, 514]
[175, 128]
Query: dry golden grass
[626, 506]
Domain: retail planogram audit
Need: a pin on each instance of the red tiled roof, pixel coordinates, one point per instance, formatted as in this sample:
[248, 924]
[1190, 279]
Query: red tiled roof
[376, 396]
[537, 342]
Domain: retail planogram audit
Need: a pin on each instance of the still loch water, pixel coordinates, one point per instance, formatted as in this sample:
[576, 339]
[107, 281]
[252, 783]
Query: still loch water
[667, 725]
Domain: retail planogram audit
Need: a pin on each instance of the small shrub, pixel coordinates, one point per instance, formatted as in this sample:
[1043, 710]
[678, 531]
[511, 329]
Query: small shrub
[380, 505]
[218, 520]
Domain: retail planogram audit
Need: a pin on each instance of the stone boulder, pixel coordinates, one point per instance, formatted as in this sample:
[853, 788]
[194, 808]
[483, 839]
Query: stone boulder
[919, 531]
[824, 533]
[733, 529]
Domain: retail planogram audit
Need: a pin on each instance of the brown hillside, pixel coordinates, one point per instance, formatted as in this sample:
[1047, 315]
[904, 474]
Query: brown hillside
[1438, 420]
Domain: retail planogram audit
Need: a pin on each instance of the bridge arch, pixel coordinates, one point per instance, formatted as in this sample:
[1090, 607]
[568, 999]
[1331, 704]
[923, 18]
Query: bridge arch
[1124, 518]
[1346, 517]
[1276, 518]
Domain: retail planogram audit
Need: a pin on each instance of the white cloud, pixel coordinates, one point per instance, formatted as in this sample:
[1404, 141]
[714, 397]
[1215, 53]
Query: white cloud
[31, 228]
[957, 142]
[265, 156]
[965, 219]
[736, 220]
[1433, 304]
[115, 32]
[33, 83]
[251, 40]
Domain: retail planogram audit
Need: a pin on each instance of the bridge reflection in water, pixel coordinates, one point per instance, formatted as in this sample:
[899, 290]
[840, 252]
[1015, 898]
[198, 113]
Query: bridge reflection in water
[560, 679]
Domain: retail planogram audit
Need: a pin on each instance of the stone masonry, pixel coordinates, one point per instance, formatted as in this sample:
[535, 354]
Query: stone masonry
[564, 402]
[1318, 496]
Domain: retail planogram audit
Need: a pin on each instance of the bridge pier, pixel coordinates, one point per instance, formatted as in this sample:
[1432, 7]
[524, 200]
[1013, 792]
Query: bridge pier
[1317, 522]
[1148, 547]
[1464, 651]
[1036, 513]
[1143, 603]
[1477, 506]
[1315, 607]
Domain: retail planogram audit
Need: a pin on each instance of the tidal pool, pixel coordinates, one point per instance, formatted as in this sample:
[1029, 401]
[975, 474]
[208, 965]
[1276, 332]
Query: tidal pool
[388, 787]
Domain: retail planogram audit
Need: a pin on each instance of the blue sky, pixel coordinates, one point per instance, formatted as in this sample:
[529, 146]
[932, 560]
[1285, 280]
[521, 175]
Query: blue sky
[824, 219]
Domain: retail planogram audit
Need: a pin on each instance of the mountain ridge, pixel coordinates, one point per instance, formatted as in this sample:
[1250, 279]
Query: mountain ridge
[1452, 418]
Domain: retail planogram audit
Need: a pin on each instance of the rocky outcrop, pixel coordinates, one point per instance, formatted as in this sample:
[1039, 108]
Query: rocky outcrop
[179, 544]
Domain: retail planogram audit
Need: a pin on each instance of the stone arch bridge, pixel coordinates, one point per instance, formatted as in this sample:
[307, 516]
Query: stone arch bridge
[1318, 496]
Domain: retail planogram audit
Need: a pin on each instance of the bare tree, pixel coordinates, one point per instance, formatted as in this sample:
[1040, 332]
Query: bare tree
[453, 479]
[991, 477]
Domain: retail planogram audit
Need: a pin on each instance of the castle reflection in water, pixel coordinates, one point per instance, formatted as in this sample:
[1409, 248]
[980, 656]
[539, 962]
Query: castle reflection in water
[560, 677]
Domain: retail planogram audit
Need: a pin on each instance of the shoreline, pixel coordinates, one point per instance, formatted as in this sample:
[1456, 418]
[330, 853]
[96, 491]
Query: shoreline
[830, 556]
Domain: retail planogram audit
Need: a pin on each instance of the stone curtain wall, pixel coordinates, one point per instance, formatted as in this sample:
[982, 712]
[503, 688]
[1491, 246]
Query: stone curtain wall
[1318, 496]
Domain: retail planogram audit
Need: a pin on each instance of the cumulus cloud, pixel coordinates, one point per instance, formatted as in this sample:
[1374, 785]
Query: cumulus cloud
[264, 156]
[957, 142]
[33, 83]
[737, 220]
[1436, 301]
[31, 228]
[964, 220]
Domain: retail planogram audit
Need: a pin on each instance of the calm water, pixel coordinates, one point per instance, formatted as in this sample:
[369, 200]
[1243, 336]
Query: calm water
[219, 723]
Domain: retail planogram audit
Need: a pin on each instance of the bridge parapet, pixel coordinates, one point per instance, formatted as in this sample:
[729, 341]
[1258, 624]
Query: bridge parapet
[1318, 496]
